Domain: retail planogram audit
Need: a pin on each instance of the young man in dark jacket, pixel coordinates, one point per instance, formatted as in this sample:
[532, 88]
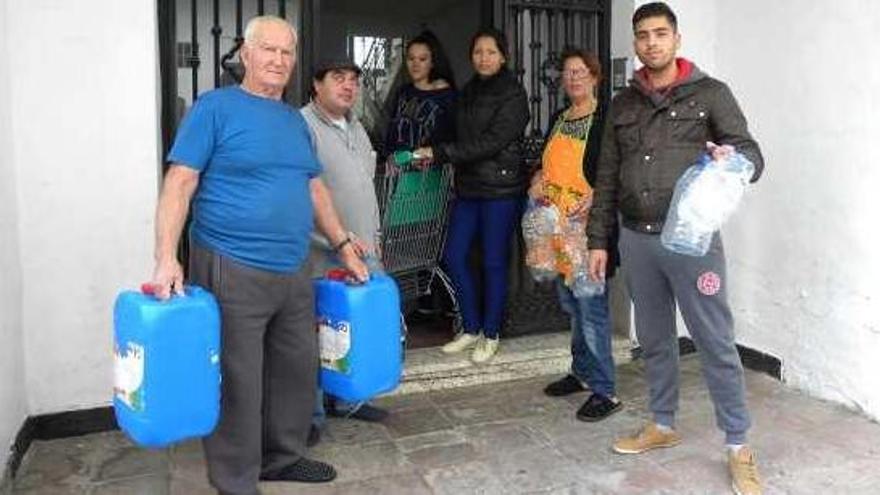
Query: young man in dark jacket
[656, 129]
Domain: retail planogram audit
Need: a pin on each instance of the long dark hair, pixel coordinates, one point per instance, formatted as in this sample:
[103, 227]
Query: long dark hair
[440, 66]
[500, 42]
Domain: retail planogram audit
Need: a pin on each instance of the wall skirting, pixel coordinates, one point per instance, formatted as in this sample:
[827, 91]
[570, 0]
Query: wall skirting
[751, 359]
[52, 426]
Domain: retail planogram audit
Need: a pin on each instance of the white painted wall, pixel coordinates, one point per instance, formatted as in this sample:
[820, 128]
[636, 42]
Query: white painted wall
[12, 393]
[807, 267]
[621, 28]
[86, 154]
[802, 249]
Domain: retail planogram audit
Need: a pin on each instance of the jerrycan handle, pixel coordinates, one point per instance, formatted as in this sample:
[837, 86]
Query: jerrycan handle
[149, 289]
[342, 275]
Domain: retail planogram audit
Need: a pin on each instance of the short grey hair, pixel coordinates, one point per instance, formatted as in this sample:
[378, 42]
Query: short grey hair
[254, 25]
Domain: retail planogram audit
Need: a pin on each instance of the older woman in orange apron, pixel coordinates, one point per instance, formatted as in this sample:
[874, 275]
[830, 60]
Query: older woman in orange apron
[563, 186]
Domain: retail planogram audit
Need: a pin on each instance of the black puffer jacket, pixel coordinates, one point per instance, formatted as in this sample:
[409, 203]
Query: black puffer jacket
[491, 115]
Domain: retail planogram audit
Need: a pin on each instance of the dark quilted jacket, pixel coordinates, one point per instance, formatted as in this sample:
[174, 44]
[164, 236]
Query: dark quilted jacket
[649, 141]
[491, 115]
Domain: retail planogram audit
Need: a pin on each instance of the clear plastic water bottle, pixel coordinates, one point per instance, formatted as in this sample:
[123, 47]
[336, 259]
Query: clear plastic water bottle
[584, 286]
[704, 198]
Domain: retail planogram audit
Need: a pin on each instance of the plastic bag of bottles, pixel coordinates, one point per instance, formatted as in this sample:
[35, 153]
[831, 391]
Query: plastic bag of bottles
[540, 224]
[705, 196]
[558, 246]
[574, 250]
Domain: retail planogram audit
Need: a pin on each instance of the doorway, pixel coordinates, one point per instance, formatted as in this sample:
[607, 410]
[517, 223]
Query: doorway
[199, 41]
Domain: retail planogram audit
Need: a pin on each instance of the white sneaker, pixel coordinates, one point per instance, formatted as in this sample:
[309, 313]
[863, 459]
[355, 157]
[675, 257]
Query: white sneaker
[485, 349]
[461, 342]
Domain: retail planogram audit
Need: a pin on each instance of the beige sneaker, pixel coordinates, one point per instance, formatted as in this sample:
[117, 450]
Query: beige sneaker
[744, 471]
[650, 437]
[485, 349]
[461, 342]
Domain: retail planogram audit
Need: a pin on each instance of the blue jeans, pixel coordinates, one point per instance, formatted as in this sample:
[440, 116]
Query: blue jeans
[591, 359]
[319, 415]
[493, 220]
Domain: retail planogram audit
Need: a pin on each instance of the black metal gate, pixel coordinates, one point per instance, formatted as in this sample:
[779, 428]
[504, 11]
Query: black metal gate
[202, 37]
[538, 31]
[199, 42]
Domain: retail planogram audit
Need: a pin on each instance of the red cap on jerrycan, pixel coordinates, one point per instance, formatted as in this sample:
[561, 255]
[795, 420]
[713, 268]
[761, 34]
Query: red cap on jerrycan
[340, 275]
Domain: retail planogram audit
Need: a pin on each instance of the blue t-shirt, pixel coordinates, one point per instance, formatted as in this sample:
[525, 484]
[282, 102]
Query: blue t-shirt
[255, 159]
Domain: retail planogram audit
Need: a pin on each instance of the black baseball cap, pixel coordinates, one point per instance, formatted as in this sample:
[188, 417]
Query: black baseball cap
[326, 65]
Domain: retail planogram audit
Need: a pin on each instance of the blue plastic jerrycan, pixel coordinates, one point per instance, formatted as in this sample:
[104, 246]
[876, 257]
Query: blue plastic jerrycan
[359, 329]
[167, 366]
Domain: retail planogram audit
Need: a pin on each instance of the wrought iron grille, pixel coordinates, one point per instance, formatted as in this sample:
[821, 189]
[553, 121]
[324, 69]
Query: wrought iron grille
[538, 31]
[199, 41]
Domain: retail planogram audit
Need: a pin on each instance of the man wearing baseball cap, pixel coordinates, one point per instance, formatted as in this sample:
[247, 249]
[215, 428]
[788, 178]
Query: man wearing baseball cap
[349, 166]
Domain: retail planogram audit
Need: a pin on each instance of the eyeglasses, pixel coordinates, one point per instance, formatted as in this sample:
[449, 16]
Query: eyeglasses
[574, 74]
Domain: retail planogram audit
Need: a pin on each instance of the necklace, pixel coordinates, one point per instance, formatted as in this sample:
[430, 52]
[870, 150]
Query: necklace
[576, 111]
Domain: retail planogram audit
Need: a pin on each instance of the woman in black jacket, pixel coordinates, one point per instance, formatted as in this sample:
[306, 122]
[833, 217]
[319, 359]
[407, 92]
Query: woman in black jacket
[490, 182]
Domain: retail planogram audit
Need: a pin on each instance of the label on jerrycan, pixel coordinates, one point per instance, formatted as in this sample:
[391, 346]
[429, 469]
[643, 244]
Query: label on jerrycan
[335, 344]
[128, 370]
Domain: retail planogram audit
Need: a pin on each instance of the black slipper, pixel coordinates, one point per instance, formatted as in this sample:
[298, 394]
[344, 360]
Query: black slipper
[303, 470]
[598, 407]
[566, 385]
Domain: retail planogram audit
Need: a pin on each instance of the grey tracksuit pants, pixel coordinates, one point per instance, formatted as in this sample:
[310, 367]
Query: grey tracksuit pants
[269, 362]
[658, 279]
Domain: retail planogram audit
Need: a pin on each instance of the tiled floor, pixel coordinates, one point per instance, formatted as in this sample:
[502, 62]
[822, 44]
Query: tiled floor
[510, 438]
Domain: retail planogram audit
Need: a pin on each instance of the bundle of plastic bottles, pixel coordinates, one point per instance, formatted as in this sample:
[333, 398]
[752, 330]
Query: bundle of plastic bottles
[704, 198]
[540, 225]
[558, 245]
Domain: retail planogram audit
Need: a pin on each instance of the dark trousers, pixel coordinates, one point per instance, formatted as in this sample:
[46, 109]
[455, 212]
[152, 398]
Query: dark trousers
[493, 220]
[269, 362]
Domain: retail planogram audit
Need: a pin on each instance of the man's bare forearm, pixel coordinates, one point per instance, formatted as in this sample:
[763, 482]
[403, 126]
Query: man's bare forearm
[174, 200]
[326, 218]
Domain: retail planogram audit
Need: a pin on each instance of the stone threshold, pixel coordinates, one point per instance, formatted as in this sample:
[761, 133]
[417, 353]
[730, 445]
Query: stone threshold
[430, 369]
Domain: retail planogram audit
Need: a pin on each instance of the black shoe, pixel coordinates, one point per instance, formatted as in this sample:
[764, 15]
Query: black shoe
[564, 386]
[598, 407]
[314, 436]
[304, 471]
[365, 412]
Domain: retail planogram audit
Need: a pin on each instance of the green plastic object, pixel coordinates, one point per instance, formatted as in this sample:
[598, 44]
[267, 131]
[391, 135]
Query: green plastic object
[405, 157]
[402, 157]
[418, 197]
